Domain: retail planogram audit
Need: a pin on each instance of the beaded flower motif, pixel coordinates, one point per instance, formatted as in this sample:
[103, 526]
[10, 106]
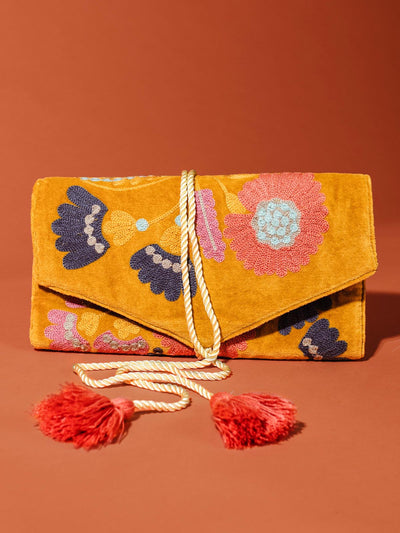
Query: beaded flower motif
[163, 271]
[285, 224]
[79, 228]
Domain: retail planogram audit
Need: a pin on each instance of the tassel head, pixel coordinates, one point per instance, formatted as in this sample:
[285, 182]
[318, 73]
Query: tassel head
[251, 419]
[83, 417]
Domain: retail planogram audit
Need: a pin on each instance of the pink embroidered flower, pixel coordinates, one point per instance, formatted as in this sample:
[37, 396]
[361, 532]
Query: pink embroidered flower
[285, 224]
[207, 227]
[63, 332]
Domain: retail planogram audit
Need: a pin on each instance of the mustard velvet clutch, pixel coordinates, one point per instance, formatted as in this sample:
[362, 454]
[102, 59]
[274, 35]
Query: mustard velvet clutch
[284, 256]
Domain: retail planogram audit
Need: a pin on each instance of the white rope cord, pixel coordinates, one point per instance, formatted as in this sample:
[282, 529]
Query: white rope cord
[151, 405]
[166, 376]
[188, 229]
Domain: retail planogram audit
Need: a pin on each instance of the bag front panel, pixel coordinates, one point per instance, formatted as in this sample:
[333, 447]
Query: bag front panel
[270, 244]
[331, 328]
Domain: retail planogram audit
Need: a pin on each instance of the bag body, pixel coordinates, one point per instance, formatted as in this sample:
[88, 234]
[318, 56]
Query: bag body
[284, 256]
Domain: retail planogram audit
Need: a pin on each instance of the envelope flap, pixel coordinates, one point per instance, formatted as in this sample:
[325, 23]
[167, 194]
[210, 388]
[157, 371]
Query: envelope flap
[269, 242]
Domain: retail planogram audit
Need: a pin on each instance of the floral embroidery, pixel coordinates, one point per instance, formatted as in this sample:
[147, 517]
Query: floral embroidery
[107, 343]
[231, 347]
[163, 271]
[276, 223]
[320, 341]
[89, 322]
[74, 303]
[121, 227]
[285, 224]
[171, 240]
[207, 227]
[63, 332]
[298, 317]
[142, 224]
[79, 227]
[173, 346]
[125, 328]
[232, 201]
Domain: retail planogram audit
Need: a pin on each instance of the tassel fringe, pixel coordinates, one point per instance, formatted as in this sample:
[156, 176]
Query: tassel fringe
[252, 419]
[83, 417]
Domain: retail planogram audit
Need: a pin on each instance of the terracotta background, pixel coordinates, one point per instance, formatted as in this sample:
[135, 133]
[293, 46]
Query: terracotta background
[116, 88]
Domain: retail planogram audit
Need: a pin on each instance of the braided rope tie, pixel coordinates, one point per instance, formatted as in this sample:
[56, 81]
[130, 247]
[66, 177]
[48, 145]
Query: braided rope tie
[165, 376]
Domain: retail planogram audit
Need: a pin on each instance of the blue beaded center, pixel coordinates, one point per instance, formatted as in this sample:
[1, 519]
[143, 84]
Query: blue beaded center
[276, 223]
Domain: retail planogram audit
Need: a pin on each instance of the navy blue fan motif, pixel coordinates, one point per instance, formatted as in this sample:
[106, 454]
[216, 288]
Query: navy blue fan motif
[79, 228]
[320, 342]
[163, 271]
[307, 313]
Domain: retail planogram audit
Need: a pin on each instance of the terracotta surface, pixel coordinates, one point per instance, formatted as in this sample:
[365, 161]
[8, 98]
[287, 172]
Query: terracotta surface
[127, 87]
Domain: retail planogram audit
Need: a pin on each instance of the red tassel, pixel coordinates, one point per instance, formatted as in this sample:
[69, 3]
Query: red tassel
[84, 417]
[252, 419]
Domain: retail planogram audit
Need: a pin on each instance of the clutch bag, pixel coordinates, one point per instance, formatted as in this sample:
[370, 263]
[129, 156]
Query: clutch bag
[284, 257]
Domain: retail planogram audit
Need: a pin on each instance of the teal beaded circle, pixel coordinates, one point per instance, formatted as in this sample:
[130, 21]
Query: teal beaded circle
[276, 223]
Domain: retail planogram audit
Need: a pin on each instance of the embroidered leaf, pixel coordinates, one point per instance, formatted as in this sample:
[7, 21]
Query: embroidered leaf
[171, 240]
[89, 322]
[121, 226]
[207, 226]
[125, 328]
[234, 204]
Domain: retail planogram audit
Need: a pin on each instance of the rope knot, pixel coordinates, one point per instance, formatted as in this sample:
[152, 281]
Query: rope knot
[210, 355]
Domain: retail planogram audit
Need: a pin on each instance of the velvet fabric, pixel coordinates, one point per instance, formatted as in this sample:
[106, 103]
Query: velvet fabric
[106, 272]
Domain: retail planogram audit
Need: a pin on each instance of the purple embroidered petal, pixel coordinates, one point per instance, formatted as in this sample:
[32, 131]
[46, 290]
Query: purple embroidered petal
[162, 270]
[298, 317]
[320, 341]
[81, 197]
[79, 228]
[146, 275]
[138, 258]
[68, 212]
[172, 289]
